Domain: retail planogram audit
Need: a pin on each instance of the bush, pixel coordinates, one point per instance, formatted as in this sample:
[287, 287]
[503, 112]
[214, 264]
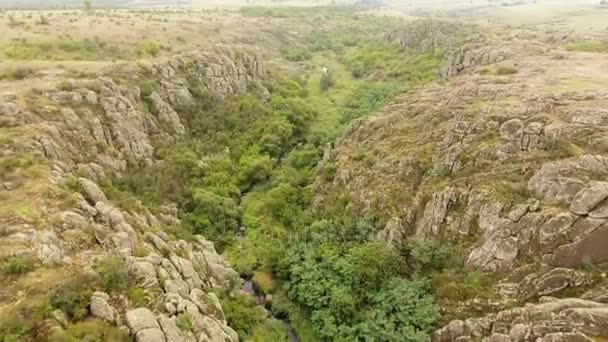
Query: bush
[150, 49]
[213, 216]
[327, 81]
[17, 73]
[353, 292]
[243, 314]
[184, 322]
[254, 168]
[506, 70]
[17, 265]
[368, 98]
[73, 297]
[114, 275]
[297, 54]
[14, 328]
[427, 256]
[560, 148]
[401, 311]
[42, 20]
[588, 46]
[90, 331]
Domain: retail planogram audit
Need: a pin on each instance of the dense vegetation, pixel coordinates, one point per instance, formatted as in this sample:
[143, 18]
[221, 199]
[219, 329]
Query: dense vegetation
[242, 177]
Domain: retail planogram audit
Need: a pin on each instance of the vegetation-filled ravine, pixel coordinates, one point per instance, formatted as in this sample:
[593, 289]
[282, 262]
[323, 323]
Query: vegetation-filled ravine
[339, 173]
[242, 176]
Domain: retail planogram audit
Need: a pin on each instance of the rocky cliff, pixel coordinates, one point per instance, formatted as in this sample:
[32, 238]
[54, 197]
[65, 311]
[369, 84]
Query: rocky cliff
[58, 144]
[505, 160]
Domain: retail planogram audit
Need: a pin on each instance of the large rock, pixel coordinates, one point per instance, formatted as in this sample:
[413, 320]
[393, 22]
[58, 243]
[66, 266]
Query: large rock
[554, 182]
[208, 303]
[166, 114]
[150, 335]
[519, 137]
[170, 328]
[393, 233]
[550, 282]
[588, 198]
[435, 212]
[91, 191]
[146, 274]
[590, 248]
[100, 308]
[141, 319]
[554, 318]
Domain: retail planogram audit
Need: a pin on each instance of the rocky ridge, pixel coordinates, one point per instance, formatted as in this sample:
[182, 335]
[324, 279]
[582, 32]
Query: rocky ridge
[509, 165]
[86, 130]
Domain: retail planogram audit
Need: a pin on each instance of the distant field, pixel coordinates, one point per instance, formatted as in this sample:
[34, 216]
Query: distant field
[57, 4]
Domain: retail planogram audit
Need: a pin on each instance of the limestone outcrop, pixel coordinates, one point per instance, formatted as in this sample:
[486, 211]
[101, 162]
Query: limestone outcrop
[510, 171]
[90, 129]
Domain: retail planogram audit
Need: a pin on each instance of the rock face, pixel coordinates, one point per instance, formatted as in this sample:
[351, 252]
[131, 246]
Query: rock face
[465, 59]
[425, 35]
[519, 137]
[515, 175]
[553, 320]
[125, 132]
[586, 200]
[435, 212]
[100, 128]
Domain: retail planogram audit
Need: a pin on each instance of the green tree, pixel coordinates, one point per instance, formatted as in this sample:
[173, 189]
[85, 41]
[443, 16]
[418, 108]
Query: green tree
[327, 81]
[213, 216]
[401, 311]
[88, 5]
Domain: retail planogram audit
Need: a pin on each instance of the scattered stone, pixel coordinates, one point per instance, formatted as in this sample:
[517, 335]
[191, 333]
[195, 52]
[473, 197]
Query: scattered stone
[91, 191]
[61, 318]
[102, 309]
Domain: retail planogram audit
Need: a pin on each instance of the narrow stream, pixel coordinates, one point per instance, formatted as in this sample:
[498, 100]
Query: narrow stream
[250, 289]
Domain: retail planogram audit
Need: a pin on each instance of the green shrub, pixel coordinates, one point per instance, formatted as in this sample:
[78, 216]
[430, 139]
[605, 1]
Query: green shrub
[17, 265]
[90, 331]
[297, 54]
[367, 98]
[588, 46]
[138, 297]
[14, 328]
[453, 285]
[74, 296]
[13, 22]
[401, 311]
[254, 168]
[560, 148]
[22, 51]
[327, 81]
[352, 289]
[213, 216]
[149, 49]
[505, 70]
[114, 275]
[184, 322]
[243, 314]
[427, 256]
[65, 86]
